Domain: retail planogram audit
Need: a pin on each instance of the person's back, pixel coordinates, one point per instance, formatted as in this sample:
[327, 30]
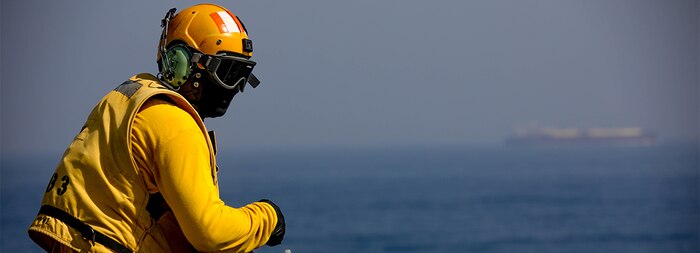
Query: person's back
[141, 174]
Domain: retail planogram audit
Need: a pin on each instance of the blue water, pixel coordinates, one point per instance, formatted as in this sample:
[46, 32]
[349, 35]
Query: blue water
[443, 199]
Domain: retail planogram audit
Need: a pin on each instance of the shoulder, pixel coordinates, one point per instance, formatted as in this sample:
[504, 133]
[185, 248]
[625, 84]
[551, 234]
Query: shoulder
[160, 116]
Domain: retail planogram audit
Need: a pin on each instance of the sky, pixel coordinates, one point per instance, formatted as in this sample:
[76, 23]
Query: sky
[372, 73]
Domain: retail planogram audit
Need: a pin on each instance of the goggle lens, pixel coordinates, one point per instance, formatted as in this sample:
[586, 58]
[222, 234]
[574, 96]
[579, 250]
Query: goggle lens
[230, 72]
[233, 72]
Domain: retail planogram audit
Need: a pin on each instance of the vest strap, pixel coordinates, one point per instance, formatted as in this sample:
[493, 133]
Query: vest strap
[86, 230]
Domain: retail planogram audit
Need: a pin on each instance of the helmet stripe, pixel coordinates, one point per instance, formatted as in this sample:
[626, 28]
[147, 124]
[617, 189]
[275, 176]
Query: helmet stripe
[240, 24]
[224, 22]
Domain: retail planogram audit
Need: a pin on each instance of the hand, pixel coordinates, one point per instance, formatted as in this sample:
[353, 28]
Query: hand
[278, 233]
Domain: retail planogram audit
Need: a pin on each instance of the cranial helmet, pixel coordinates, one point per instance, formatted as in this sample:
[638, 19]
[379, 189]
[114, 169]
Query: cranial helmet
[205, 48]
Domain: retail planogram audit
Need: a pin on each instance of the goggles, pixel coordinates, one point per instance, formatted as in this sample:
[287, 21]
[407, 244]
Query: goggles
[230, 72]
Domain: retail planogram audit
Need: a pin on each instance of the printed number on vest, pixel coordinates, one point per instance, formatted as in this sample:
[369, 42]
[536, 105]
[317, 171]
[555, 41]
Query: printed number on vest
[62, 188]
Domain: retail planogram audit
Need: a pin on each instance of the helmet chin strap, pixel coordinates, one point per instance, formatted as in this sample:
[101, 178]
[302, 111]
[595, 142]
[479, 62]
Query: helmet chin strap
[192, 89]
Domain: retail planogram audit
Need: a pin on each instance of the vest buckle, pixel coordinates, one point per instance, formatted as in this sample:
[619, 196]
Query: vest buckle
[92, 236]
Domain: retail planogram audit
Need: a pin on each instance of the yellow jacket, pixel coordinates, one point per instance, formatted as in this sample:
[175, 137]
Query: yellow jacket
[142, 140]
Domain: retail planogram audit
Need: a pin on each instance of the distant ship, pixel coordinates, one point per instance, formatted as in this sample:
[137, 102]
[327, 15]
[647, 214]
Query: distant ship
[548, 136]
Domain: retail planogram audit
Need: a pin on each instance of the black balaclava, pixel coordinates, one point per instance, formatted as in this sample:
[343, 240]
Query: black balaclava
[210, 99]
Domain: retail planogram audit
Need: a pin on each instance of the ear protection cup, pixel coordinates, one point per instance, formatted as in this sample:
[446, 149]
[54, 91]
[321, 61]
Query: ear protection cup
[177, 70]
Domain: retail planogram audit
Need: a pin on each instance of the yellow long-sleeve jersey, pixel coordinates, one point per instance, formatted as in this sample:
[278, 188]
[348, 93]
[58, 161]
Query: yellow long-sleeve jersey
[167, 145]
[141, 141]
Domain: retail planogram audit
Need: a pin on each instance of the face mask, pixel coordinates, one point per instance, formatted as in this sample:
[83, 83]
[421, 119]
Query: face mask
[214, 100]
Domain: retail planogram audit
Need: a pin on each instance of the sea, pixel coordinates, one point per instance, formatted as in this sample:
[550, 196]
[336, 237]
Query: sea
[441, 199]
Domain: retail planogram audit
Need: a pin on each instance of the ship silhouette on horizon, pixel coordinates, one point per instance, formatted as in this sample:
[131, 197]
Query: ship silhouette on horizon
[553, 136]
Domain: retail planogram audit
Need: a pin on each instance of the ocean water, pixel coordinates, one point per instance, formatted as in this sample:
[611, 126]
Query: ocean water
[444, 199]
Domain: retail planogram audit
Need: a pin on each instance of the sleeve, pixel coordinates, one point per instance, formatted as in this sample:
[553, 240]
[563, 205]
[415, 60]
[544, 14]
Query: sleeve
[181, 171]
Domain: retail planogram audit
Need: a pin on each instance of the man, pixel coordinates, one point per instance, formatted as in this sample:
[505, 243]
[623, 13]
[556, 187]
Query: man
[141, 175]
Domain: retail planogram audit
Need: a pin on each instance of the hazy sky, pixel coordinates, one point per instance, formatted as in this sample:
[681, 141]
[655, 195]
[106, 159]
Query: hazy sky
[376, 73]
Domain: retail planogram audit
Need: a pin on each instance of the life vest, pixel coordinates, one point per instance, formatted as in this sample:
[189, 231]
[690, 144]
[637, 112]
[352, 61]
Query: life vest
[97, 183]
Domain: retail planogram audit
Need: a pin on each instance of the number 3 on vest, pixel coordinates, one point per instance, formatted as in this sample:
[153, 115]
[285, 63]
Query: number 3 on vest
[64, 184]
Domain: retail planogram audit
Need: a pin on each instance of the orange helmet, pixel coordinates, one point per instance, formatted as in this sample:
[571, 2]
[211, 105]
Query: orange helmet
[207, 29]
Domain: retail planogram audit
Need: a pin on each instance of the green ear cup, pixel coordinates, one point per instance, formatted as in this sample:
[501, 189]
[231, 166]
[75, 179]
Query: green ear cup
[179, 64]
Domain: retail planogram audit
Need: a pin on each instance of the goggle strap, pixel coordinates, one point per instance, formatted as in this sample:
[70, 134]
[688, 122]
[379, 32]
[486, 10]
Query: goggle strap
[201, 59]
[210, 63]
[253, 80]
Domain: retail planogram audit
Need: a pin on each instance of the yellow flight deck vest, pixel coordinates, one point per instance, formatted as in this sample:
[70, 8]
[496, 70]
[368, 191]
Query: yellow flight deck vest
[97, 182]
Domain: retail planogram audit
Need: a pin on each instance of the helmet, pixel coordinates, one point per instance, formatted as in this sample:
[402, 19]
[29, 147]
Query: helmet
[207, 47]
[209, 29]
